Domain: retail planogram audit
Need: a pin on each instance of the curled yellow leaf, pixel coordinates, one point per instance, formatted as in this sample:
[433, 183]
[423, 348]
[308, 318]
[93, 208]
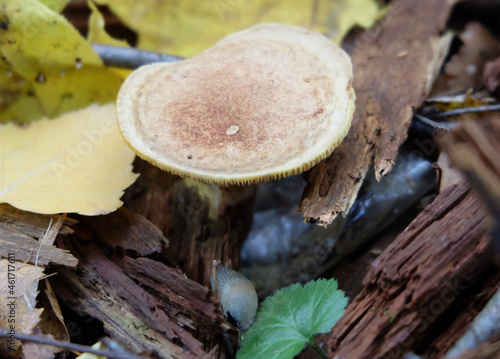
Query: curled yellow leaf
[78, 162]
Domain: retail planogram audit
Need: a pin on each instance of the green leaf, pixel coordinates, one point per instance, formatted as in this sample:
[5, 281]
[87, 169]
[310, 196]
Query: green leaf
[288, 320]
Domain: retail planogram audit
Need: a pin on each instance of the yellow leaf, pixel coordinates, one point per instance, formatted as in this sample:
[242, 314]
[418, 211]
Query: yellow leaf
[76, 163]
[55, 5]
[48, 60]
[97, 34]
[98, 345]
[186, 27]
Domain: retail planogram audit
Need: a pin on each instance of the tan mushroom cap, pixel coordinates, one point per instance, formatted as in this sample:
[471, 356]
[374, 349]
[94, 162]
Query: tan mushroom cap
[264, 103]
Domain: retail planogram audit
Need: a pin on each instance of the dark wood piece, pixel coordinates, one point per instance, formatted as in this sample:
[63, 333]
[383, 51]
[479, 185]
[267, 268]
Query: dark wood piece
[414, 281]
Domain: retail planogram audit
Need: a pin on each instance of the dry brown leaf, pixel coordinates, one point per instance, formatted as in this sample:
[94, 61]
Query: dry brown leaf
[449, 174]
[491, 76]
[464, 68]
[18, 292]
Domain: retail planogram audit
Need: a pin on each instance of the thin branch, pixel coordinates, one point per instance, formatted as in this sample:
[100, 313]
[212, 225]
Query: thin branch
[76, 347]
[445, 126]
[130, 58]
[463, 111]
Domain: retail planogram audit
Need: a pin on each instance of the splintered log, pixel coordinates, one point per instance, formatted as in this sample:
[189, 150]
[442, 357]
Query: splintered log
[394, 65]
[146, 306]
[414, 281]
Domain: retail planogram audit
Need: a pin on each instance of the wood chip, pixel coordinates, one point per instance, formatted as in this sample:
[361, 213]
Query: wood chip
[128, 231]
[389, 87]
[17, 229]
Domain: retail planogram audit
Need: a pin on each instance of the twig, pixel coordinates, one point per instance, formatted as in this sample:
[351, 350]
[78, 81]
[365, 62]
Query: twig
[76, 347]
[446, 126]
[462, 111]
[130, 58]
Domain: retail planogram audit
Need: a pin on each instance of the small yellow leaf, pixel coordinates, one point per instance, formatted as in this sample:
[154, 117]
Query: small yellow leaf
[186, 27]
[76, 163]
[98, 345]
[55, 5]
[48, 61]
[97, 34]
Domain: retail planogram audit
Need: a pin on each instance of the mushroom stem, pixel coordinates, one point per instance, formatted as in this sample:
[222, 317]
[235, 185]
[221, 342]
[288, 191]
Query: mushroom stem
[235, 195]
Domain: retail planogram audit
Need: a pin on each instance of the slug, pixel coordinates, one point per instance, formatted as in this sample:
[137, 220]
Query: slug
[237, 296]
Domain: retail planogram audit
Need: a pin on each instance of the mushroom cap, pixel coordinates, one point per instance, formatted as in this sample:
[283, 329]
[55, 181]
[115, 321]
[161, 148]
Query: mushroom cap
[262, 104]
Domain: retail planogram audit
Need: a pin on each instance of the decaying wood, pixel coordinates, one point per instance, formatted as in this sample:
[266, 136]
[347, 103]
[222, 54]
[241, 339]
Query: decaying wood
[414, 281]
[145, 305]
[394, 65]
[474, 148]
[183, 297]
[183, 215]
[128, 231]
[31, 224]
[18, 230]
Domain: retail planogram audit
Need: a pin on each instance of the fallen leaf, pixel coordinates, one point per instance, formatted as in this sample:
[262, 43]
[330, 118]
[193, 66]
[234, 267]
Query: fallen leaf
[464, 68]
[491, 75]
[53, 320]
[48, 68]
[98, 345]
[185, 28]
[18, 291]
[55, 5]
[76, 163]
[449, 174]
[97, 34]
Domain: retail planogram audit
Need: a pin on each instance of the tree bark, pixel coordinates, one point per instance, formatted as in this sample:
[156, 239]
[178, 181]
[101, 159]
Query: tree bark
[395, 63]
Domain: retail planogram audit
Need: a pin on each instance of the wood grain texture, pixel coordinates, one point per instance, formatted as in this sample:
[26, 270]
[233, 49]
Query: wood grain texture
[26, 235]
[415, 280]
[145, 305]
[394, 64]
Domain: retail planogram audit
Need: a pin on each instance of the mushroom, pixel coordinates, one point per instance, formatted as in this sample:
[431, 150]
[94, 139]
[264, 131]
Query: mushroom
[262, 104]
